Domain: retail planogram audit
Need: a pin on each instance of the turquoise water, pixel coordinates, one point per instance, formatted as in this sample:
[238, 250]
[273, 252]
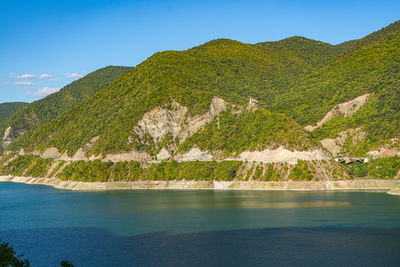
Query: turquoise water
[236, 228]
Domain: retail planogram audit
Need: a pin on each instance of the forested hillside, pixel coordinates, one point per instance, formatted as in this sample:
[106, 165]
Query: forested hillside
[372, 69]
[6, 109]
[295, 101]
[228, 69]
[56, 104]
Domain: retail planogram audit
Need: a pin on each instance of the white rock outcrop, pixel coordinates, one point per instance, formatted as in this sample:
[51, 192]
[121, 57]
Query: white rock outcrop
[175, 121]
[281, 155]
[253, 105]
[6, 137]
[128, 156]
[163, 154]
[51, 152]
[334, 145]
[160, 121]
[346, 109]
[194, 154]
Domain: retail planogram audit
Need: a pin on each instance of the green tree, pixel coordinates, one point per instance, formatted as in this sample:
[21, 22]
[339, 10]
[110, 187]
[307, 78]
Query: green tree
[8, 257]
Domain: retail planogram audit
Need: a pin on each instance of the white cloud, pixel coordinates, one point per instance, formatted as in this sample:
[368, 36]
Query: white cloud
[45, 91]
[45, 76]
[26, 76]
[73, 75]
[23, 83]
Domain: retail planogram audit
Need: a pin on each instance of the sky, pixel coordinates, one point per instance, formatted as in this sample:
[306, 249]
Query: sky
[47, 44]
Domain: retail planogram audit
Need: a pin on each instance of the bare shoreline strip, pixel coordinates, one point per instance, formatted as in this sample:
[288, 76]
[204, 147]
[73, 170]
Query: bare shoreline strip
[392, 186]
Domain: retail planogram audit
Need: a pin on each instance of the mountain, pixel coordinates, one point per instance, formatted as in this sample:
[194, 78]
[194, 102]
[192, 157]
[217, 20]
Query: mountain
[6, 109]
[317, 54]
[38, 112]
[222, 68]
[352, 45]
[228, 110]
[370, 74]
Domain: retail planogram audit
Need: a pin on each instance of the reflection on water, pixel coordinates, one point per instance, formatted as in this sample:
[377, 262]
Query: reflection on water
[162, 200]
[136, 212]
[254, 204]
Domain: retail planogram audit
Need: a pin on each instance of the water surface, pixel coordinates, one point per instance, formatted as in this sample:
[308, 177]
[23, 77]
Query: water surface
[200, 228]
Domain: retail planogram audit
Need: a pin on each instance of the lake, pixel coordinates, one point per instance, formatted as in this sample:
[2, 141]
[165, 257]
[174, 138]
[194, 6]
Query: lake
[200, 228]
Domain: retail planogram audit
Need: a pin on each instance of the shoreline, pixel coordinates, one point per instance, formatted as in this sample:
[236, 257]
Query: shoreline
[390, 186]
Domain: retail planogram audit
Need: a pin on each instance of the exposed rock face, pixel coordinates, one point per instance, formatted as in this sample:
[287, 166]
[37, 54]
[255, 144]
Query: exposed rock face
[193, 124]
[163, 154]
[79, 155]
[160, 121]
[6, 138]
[346, 109]
[133, 155]
[89, 144]
[10, 135]
[384, 152]
[281, 155]
[195, 154]
[65, 156]
[253, 105]
[128, 156]
[334, 145]
[51, 152]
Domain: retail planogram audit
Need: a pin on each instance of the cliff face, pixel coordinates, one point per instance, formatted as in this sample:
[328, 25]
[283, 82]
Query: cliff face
[160, 122]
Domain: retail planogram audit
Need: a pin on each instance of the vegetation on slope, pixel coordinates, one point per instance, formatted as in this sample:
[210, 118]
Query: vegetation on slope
[225, 68]
[165, 171]
[6, 109]
[99, 171]
[381, 168]
[374, 69]
[352, 45]
[251, 130]
[56, 104]
[301, 78]
[316, 53]
[27, 165]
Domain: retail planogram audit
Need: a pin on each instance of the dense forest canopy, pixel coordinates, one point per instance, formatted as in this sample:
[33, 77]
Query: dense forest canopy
[6, 109]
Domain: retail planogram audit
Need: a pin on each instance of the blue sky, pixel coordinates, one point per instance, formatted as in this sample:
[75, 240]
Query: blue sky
[57, 41]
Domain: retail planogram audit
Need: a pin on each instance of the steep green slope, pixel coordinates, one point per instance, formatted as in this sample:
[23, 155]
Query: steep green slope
[224, 68]
[352, 45]
[254, 130]
[55, 104]
[6, 109]
[316, 53]
[373, 69]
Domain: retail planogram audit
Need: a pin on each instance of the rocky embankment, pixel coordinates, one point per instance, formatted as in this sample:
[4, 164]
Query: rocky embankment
[395, 191]
[393, 186]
